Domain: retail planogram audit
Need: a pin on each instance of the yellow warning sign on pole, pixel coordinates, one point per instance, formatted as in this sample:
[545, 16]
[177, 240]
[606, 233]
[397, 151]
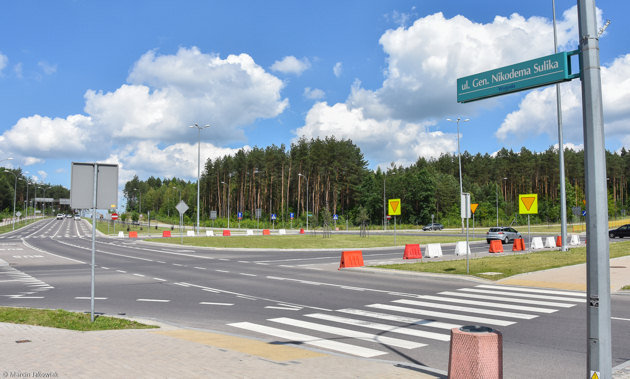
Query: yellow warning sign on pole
[528, 204]
[393, 208]
[473, 207]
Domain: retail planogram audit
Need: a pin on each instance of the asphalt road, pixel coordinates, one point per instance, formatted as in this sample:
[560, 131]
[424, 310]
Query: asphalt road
[301, 296]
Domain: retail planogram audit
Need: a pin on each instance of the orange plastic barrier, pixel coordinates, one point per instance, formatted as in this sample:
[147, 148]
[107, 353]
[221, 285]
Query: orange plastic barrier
[226, 233]
[266, 232]
[352, 258]
[166, 233]
[133, 234]
[496, 246]
[518, 245]
[412, 251]
[301, 231]
[558, 241]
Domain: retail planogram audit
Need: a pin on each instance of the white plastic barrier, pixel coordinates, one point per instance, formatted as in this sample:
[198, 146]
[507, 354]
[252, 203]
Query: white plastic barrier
[250, 232]
[434, 250]
[460, 248]
[282, 231]
[537, 243]
[190, 233]
[121, 235]
[575, 240]
[209, 233]
[550, 242]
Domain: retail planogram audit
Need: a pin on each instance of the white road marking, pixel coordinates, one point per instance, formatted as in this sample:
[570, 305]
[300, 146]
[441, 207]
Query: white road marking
[450, 307]
[402, 319]
[121, 271]
[139, 275]
[177, 264]
[508, 299]
[154, 300]
[488, 304]
[245, 274]
[533, 290]
[224, 271]
[309, 340]
[282, 308]
[481, 320]
[160, 279]
[621, 319]
[349, 333]
[527, 295]
[105, 268]
[384, 327]
[89, 298]
[208, 303]
[200, 268]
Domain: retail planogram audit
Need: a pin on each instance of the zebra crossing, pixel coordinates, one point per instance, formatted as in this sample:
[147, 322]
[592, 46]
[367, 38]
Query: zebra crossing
[413, 323]
[9, 274]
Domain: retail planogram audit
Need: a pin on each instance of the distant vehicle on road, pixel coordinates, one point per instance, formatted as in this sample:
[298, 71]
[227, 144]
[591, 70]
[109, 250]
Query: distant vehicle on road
[505, 234]
[77, 217]
[434, 226]
[68, 215]
[60, 216]
[620, 232]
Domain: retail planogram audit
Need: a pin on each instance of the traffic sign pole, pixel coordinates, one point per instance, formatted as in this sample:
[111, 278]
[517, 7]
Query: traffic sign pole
[599, 344]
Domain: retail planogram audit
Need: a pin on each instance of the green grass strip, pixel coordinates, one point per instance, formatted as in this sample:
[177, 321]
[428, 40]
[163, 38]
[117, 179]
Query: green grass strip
[66, 320]
[509, 265]
[308, 241]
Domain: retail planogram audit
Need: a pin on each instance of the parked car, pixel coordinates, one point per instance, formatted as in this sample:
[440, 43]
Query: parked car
[434, 226]
[620, 232]
[505, 234]
[60, 216]
[77, 217]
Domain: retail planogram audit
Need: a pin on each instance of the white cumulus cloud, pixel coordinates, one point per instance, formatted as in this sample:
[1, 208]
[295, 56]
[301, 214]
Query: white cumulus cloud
[532, 116]
[149, 115]
[314, 93]
[291, 65]
[3, 62]
[337, 69]
[382, 141]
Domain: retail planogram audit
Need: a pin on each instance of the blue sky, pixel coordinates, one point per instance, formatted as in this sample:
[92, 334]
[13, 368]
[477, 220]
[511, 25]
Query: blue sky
[121, 81]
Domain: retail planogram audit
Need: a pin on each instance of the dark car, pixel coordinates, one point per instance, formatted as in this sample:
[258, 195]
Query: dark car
[620, 232]
[505, 234]
[434, 226]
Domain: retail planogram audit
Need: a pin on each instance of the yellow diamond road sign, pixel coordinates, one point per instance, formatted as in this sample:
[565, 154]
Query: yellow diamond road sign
[528, 204]
[393, 208]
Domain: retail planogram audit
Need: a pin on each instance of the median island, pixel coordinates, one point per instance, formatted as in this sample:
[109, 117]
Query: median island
[505, 265]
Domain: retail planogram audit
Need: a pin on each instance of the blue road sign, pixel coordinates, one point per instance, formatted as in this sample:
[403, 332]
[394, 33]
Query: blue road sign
[273, 216]
[335, 217]
[583, 213]
[291, 215]
[239, 215]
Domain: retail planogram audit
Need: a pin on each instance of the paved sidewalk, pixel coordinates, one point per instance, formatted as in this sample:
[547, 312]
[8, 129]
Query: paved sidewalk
[169, 352]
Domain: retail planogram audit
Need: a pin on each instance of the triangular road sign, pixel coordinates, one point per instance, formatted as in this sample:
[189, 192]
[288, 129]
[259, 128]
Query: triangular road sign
[528, 202]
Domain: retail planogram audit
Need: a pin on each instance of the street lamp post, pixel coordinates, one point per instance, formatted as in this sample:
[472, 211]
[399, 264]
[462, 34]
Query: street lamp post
[14, 194]
[25, 201]
[497, 198]
[459, 158]
[228, 196]
[306, 200]
[199, 128]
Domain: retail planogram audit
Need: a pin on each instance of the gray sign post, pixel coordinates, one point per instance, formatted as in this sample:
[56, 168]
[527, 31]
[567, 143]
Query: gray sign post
[599, 343]
[181, 208]
[95, 186]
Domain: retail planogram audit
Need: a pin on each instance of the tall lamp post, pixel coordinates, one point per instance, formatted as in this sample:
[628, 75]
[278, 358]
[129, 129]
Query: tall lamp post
[459, 158]
[14, 194]
[25, 201]
[306, 200]
[228, 196]
[199, 128]
[497, 198]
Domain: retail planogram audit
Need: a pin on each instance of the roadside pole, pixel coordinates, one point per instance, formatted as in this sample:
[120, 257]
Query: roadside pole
[599, 345]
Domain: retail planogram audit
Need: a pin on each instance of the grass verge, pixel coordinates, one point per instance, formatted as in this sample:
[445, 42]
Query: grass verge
[18, 225]
[306, 241]
[626, 288]
[66, 320]
[509, 265]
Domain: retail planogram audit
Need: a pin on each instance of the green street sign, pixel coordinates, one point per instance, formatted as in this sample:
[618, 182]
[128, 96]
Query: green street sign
[537, 72]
